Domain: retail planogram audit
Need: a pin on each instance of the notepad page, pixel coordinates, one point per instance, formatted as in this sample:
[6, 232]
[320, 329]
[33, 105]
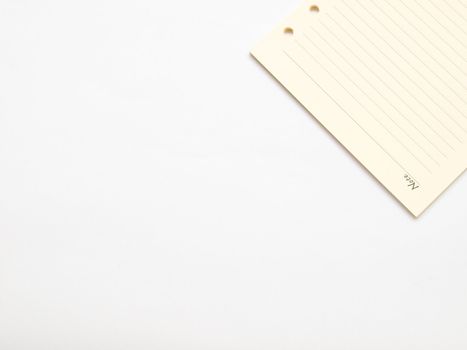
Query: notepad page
[388, 79]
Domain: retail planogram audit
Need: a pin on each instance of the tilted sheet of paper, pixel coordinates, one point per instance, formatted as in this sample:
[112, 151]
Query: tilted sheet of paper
[388, 79]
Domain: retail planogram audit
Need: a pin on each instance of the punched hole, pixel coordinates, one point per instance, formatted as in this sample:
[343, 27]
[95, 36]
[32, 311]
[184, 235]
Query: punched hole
[288, 31]
[314, 8]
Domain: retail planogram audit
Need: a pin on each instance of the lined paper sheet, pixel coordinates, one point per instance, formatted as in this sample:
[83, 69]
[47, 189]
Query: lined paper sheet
[388, 79]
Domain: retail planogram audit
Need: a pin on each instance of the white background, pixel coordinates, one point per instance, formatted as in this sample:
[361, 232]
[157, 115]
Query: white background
[159, 190]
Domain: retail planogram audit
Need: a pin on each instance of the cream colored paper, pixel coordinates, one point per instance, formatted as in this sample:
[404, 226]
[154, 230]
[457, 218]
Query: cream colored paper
[388, 79]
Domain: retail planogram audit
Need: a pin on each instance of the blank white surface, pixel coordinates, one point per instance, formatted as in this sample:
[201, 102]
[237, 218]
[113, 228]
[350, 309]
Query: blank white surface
[158, 190]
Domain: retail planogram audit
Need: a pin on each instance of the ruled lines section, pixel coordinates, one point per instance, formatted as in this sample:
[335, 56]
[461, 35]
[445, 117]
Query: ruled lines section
[400, 67]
